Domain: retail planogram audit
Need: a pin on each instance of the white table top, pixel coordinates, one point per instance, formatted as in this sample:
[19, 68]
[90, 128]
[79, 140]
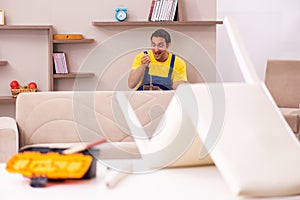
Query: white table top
[180, 183]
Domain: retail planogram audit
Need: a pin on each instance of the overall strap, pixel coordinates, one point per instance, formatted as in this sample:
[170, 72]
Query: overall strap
[171, 66]
[172, 61]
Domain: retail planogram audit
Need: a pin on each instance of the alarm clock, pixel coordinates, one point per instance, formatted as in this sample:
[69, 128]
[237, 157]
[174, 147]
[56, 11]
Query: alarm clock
[121, 14]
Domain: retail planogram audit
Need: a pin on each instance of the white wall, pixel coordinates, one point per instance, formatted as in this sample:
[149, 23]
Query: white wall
[269, 29]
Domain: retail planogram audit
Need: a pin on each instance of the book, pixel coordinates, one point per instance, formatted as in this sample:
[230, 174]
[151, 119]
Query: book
[169, 10]
[162, 11]
[155, 13]
[165, 11]
[151, 9]
[2, 22]
[174, 8]
[154, 10]
[60, 63]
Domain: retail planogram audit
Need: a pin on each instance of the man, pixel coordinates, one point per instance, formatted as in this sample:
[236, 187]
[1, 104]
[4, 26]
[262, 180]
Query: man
[157, 67]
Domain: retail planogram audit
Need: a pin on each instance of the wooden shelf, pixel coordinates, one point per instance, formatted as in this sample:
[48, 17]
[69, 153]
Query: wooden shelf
[26, 27]
[48, 29]
[87, 40]
[4, 99]
[73, 75]
[3, 62]
[149, 23]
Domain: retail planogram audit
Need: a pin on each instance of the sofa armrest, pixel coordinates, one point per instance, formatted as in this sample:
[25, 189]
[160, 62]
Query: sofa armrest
[293, 121]
[9, 138]
[292, 116]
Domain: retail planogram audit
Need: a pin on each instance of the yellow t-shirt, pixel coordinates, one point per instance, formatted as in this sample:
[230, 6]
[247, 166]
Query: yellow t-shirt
[161, 69]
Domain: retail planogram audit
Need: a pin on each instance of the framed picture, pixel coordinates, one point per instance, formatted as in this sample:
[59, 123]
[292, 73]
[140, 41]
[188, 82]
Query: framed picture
[60, 63]
[1, 17]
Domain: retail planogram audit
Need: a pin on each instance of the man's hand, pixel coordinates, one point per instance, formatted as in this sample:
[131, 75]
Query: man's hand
[145, 59]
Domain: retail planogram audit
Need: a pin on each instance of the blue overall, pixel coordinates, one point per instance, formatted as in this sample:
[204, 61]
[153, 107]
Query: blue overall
[164, 83]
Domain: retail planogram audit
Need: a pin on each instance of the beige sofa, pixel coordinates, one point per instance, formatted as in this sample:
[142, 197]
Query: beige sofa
[282, 78]
[72, 117]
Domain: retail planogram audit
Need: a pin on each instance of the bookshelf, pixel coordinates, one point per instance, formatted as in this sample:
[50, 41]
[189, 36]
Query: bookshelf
[7, 99]
[71, 75]
[148, 23]
[26, 27]
[43, 40]
[51, 44]
[86, 40]
[178, 21]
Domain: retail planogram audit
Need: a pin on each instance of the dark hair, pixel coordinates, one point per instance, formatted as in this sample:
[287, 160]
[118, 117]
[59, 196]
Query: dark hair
[163, 34]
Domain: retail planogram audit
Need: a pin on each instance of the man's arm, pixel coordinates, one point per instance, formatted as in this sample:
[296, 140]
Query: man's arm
[136, 74]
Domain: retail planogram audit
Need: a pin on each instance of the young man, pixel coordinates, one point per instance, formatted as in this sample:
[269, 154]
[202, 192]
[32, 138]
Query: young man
[158, 67]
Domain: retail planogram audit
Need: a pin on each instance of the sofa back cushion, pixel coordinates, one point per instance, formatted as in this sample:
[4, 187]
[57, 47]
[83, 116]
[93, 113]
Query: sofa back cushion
[282, 78]
[62, 117]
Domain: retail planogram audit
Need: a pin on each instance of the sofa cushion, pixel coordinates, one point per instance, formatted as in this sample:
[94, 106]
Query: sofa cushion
[282, 80]
[63, 117]
[292, 116]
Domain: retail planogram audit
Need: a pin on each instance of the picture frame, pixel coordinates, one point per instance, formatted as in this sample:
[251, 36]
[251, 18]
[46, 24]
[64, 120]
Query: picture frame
[60, 63]
[2, 17]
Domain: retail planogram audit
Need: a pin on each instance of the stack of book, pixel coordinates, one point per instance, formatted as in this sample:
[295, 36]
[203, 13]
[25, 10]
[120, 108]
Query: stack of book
[162, 10]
